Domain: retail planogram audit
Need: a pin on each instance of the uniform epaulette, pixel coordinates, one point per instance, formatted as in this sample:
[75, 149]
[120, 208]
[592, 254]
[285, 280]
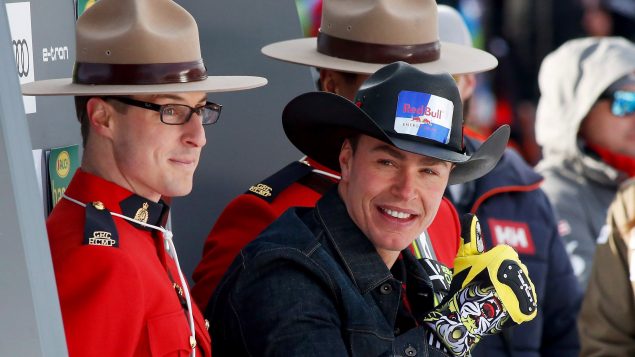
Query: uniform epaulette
[100, 227]
[318, 182]
[270, 187]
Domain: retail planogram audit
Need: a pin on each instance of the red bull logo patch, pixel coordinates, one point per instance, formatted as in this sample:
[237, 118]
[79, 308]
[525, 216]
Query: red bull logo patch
[424, 115]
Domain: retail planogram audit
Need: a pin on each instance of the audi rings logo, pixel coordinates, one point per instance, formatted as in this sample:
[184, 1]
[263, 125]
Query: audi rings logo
[22, 55]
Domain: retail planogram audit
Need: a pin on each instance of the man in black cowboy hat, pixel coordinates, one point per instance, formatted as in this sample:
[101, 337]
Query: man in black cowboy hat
[337, 279]
[140, 87]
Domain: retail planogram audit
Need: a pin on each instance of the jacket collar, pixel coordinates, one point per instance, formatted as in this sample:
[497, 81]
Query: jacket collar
[359, 256]
[511, 169]
[86, 188]
[585, 164]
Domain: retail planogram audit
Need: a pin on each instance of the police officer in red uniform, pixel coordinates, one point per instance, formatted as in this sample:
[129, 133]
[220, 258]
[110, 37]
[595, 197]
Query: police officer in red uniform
[140, 90]
[350, 46]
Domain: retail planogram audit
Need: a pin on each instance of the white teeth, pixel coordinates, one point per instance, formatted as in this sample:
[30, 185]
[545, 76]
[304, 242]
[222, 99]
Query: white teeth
[396, 214]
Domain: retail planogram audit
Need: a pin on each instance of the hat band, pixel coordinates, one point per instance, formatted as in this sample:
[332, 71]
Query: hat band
[377, 53]
[139, 74]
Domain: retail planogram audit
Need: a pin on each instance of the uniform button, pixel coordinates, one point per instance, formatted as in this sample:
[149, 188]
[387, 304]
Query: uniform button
[207, 324]
[192, 342]
[98, 205]
[411, 351]
[386, 289]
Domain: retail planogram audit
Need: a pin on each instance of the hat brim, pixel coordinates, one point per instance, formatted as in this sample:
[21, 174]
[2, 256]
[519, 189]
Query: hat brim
[455, 58]
[317, 123]
[64, 86]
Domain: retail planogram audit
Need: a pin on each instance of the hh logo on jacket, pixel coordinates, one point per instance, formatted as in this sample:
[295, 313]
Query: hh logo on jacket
[514, 234]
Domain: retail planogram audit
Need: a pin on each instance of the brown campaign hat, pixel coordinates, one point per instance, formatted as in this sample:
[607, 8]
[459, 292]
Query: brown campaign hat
[138, 47]
[361, 36]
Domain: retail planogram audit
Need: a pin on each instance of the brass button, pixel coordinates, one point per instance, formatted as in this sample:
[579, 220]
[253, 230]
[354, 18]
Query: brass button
[192, 342]
[98, 205]
[207, 324]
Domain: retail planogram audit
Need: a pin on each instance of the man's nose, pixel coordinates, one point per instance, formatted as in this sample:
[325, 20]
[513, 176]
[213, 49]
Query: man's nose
[405, 185]
[194, 131]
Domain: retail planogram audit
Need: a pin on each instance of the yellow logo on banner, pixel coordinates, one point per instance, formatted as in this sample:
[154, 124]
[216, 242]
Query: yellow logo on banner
[63, 164]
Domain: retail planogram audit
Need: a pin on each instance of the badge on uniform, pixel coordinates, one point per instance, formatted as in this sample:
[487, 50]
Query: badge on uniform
[269, 188]
[100, 228]
[144, 211]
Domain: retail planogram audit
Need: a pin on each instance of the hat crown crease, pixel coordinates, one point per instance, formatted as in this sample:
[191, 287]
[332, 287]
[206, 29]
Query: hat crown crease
[144, 32]
[401, 22]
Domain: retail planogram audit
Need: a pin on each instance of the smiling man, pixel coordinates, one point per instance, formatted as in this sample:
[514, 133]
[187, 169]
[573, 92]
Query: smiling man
[140, 90]
[338, 279]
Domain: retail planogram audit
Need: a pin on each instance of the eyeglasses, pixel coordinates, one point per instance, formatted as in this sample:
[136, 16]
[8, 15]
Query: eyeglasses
[176, 114]
[622, 102]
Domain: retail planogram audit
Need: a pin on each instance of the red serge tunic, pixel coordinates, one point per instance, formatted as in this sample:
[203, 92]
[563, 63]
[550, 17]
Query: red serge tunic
[118, 299]
[295, 185]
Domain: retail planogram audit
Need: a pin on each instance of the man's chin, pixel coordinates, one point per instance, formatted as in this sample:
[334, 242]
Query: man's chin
[397, 245]
[179, 191]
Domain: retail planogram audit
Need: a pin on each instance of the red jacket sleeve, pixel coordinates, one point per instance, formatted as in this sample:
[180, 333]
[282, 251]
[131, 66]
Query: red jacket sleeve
[445, 231]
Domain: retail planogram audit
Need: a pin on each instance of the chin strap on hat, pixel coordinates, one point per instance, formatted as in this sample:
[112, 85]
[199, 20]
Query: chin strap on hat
[167, 238]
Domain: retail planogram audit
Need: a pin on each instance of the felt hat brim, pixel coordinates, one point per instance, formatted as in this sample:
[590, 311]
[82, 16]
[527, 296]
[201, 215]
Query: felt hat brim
[455, 58]
[212, 84]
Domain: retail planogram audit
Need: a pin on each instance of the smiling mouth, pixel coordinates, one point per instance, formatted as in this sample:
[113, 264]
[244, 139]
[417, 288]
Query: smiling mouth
[396, 214]
[182, 161]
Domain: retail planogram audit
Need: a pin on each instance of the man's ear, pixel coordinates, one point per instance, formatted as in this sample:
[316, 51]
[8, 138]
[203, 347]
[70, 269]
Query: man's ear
[328, 80]
[466, 85]
[346, 159]
[100, 116]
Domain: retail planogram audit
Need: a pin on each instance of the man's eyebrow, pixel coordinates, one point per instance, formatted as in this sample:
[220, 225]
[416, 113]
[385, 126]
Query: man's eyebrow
[177, 97]
[427, 160]
[388, 149]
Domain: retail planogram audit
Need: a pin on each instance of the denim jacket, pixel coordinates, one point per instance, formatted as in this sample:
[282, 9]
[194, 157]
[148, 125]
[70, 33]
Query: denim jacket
[312, 284]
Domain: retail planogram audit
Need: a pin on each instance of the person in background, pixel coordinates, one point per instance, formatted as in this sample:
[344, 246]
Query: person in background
[513, 210]
[606, 319]
[520, 34]
[339, 279]
[587, 134]
[351, 45]
[140, 92]
[609, 18]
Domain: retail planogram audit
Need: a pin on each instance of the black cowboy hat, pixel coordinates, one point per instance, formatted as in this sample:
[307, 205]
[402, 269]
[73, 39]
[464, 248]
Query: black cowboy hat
[414, 111]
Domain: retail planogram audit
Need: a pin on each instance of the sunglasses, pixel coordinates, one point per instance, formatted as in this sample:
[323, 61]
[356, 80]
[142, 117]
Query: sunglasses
[622, 102]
